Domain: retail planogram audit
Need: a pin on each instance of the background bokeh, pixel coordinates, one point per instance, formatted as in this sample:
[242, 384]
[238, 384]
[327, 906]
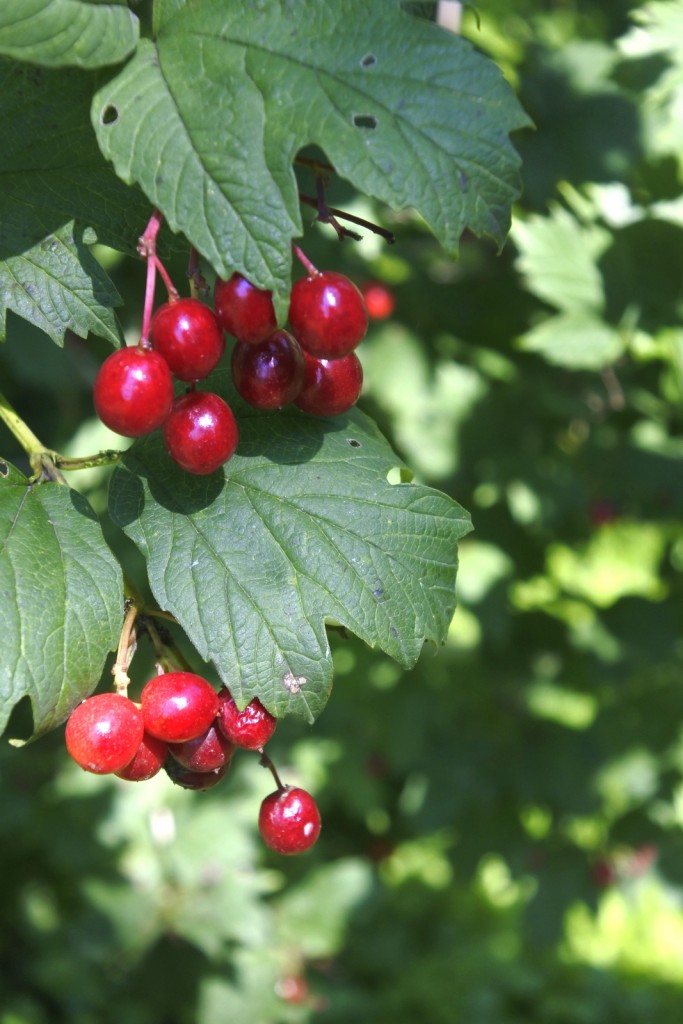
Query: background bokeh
[502, 826]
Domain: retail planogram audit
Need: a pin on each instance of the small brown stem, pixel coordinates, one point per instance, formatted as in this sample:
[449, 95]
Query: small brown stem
[267, 763]
[168, 656]
[126, 649]
[198, 283]
[615, 393]
[320, 167]
[332, 211]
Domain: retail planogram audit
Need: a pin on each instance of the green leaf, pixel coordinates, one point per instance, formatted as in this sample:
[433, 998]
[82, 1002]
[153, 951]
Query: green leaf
[62, 599]
[313, 915]
[56, 187]
[80, 33]
[407, 112]
[558, 259]
[302, 528]
[658, 33]
[580, 342]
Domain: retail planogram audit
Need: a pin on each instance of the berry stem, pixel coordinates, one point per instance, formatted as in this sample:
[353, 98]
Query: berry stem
[266, 762]
[303, 258]
[126, 649]
[149, 302]
[147, 247]
[173, 294]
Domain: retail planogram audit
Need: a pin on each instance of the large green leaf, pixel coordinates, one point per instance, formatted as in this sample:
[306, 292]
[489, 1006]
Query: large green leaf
[62, 599]
[81, 33]
[302, 528]
[55, 188]
[209, 119]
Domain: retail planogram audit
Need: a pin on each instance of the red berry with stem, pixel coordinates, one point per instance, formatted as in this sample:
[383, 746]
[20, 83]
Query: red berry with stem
[268, 375]
[188, 779]
[178, 706]
[327, 314]
[104, 732]
[243, 310]
[331, 386]
[187, 334]
[250, 728]
[133, 391]
[200, 432]
[289, 820]
[147, 761]
[204, 753]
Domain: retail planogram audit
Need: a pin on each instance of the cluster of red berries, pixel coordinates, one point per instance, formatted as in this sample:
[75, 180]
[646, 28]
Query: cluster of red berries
[182, 726]
[313, 366]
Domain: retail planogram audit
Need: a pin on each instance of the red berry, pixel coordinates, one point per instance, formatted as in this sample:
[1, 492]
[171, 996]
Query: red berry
[200, 432]
[188, 779]
[204, 753]
[331, 386]
[147, 762]
[379, 300]
[187, 334]
[104, 732]
[289, 820]
[243, 310]
[294, 989]
[270, 374]
[133, 391]
[178, 706]
[250, 728]
[328, 315]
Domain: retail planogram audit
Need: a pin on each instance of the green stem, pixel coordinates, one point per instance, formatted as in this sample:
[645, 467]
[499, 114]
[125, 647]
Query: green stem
[45, 463]
[105, 458]
[13, 421]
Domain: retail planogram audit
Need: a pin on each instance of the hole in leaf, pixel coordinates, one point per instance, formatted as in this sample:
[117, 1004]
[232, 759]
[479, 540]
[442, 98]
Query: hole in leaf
[354, 444]
[20, 725]
[368, 61]
[400, 475]
[368, 121]
[4, 469]
[109, 115]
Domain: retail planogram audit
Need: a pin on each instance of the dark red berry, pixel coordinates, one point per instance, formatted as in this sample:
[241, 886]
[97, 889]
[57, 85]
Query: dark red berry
[204, 753]
[133, 391]
[289, 820]
[187, 334]
[147, 762]
[270, 374]
[178, 706]
[104, 732]
[243, 310]
[379, 300]
[331, 386]
[327, 314]
[188, 779]
[200, 432]
[250, 728]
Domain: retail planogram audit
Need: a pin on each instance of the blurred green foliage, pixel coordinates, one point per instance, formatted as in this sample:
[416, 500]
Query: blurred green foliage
[502, 834]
